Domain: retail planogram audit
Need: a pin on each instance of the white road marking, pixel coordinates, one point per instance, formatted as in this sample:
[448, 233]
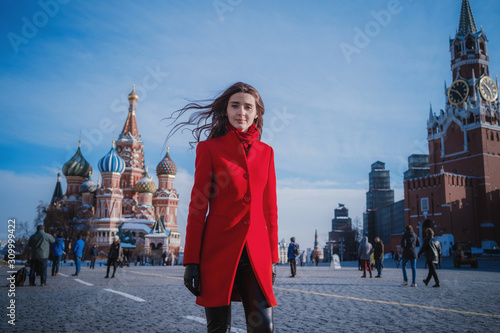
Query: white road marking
[204, 322]
[135, 298]
[83, 282]
[63, 275]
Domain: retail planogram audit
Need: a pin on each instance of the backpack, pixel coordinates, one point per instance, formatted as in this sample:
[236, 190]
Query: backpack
[296, 251]
[20, 277]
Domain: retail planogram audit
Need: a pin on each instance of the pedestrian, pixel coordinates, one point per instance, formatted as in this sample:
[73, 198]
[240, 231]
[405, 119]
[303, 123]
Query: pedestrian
[231, 252]
[378, 254]
[409, 243]
[115, 255]
[303, 258]
[397, 258]
[164, 257]
[432, 251]
[94, 252]
[39, 244]
[365, 250]
[78, 253]
[57, 252]
[293, 252]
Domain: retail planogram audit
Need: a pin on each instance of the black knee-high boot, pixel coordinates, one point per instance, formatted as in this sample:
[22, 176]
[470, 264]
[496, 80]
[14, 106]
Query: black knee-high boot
[258, 313]
[218, 319]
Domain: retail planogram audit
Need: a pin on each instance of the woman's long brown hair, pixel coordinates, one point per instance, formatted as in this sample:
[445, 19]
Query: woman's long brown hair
[211, 119]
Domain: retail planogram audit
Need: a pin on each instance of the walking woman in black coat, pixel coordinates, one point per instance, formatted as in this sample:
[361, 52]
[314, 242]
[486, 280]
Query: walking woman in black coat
[432, 250]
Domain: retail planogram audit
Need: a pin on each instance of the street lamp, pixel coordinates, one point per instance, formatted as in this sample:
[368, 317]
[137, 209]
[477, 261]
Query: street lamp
[341, 248]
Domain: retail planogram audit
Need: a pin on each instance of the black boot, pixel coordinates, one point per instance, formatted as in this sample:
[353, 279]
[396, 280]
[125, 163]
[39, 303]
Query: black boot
[218, 319]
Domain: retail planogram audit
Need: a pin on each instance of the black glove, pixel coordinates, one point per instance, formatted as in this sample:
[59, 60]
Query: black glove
[192, 278]
[274, 272]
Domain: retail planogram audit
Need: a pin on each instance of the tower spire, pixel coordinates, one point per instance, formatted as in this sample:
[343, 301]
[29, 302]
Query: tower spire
[466, 23]
[58, 194]
[130, 130]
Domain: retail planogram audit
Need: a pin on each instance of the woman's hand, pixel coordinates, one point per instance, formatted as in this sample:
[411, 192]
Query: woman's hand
[192, 278]
[274, 272]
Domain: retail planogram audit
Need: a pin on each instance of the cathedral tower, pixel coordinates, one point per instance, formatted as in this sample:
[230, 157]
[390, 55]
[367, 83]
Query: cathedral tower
[131, 149]
[76, 171]
[110, 197]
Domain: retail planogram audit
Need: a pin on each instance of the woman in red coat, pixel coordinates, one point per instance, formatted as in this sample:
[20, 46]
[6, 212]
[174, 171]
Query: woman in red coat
[232, 234]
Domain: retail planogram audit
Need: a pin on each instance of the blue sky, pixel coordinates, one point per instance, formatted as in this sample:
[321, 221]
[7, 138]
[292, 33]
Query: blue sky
[67, 67]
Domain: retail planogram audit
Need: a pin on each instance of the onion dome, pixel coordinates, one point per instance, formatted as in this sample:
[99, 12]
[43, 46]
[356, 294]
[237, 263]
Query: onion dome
[112, 162]
[77, 165]
[146, 184]
[133, 95]
[88, 186]
[166, 166]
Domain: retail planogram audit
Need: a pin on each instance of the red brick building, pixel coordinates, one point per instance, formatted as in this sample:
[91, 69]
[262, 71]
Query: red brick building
[461, 196]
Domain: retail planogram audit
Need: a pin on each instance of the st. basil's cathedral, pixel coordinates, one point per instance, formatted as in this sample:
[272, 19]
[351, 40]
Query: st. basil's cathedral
[126, 202]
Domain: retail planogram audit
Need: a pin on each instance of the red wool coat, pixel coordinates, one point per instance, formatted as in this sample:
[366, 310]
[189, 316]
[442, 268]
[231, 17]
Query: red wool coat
[239, 192]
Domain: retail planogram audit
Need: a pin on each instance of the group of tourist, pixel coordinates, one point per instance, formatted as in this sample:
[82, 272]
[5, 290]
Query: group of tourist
[44, 246]
[431, 248]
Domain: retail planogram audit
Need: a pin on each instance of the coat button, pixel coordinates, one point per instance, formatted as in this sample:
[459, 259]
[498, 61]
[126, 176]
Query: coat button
[246, 222]
[246, 175]
[246, 198]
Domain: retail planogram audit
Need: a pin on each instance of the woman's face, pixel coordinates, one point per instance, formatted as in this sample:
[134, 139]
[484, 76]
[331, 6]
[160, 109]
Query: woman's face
[241, 111]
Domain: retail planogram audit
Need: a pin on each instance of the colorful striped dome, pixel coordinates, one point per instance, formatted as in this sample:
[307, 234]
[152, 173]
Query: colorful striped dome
[77, 165]
[145, 185]
[166, 166]
[112, 162]
[88, 186]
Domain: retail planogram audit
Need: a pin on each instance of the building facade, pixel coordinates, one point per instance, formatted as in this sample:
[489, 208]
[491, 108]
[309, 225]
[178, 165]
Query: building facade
[126, 201]
[461, 196]
[379, 195]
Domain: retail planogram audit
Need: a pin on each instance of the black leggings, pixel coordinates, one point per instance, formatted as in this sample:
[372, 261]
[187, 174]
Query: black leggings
[432, 273]
[258, 313]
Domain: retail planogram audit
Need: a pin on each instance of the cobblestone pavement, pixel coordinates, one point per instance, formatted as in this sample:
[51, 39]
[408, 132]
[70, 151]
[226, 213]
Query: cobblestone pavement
[319, 299]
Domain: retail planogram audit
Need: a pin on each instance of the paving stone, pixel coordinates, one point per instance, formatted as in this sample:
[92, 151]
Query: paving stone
[318, 299]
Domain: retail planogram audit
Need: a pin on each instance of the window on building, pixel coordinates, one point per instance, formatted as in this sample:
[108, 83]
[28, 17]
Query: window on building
[424, 203]
[482, 47]
[470, 44]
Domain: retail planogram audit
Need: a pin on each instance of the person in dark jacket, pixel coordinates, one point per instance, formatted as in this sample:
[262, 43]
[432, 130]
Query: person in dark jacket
[94, 252]
[432, 250]
[57, 252]
[40, 249]
[397, 259]
[114, 256]
[293, 251]
[409, 243]
[378, 253]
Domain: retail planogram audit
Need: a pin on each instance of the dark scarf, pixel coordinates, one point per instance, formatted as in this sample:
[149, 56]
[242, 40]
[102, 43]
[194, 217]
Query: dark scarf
[246, 138]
